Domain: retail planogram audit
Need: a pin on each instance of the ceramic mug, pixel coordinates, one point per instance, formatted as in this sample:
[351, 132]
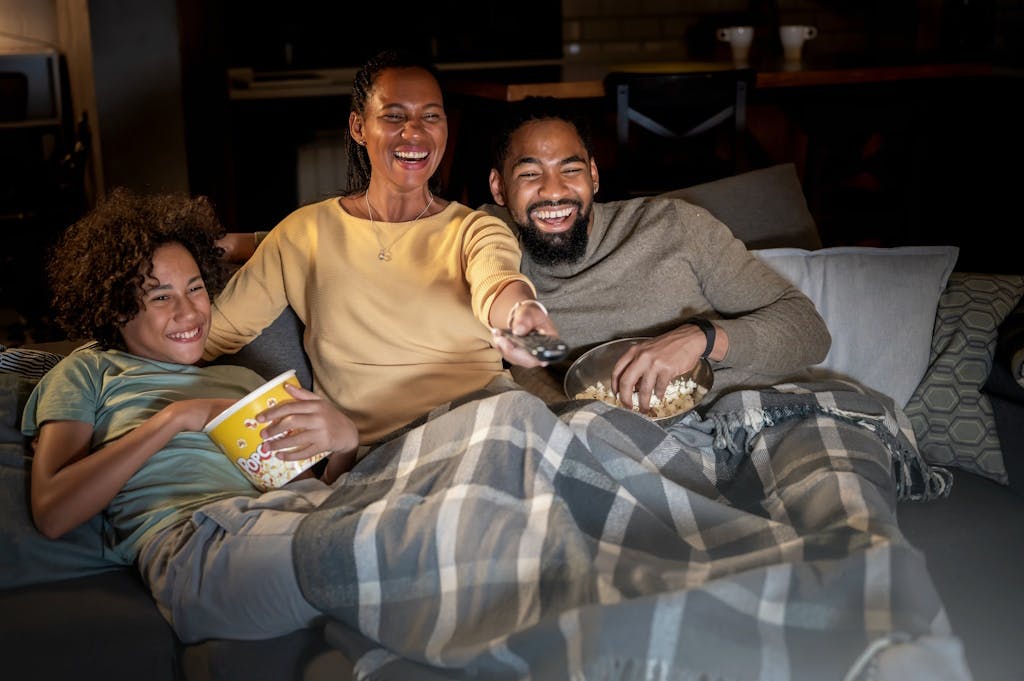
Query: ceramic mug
[793, 38]
[739, 39]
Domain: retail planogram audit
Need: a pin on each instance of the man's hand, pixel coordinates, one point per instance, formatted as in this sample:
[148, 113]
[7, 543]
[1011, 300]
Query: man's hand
[648, 367]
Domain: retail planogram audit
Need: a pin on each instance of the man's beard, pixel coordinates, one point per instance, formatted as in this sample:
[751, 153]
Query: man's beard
[553, 249]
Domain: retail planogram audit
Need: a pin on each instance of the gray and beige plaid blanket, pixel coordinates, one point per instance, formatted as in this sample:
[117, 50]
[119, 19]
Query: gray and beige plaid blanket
[504, 540]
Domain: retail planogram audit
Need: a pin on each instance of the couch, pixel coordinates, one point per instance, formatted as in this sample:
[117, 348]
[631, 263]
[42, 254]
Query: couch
[942, 344]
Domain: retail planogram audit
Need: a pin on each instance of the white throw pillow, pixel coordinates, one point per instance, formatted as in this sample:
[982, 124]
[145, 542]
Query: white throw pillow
[879, 305]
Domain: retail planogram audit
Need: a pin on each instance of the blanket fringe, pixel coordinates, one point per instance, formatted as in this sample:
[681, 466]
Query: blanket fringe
[916, 480]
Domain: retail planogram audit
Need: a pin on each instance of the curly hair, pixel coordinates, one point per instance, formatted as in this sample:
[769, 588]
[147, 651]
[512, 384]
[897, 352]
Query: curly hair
[98, 266]
[362, 87]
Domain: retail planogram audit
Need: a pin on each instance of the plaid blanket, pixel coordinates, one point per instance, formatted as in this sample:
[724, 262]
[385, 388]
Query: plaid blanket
[504, 540]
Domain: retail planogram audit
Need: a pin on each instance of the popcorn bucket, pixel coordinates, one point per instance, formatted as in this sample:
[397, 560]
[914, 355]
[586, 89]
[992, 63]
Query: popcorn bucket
[237, 433]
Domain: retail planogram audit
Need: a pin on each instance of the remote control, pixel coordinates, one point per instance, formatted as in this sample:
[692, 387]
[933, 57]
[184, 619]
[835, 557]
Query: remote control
[542, 346]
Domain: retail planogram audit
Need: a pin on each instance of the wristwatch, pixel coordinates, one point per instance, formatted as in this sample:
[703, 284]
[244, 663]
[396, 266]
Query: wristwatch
[709, 333]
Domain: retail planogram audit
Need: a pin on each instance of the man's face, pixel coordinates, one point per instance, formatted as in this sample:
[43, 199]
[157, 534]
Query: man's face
[548, 183]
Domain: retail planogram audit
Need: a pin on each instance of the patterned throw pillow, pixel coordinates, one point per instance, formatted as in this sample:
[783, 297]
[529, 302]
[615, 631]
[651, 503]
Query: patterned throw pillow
[27, 362]
[952, 418]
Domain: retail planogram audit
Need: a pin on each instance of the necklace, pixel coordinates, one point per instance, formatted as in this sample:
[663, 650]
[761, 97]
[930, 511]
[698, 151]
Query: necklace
[384, 254]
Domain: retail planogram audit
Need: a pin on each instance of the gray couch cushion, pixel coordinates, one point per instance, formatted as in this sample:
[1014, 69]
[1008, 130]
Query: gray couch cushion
[276, 350]
[879, 305]
[100, 627]
[764, 208]
[303, 654]
[974, 544]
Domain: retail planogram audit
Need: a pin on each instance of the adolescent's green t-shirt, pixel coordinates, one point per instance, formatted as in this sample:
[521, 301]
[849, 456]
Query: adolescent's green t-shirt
[115, 392]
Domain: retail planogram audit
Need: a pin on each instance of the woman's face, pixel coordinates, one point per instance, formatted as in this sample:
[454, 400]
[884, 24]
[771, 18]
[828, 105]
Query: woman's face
[404, 127]
[174, 310]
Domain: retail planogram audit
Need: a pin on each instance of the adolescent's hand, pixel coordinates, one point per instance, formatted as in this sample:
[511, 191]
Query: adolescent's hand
[192, 415]
[313, 425]
[648, 367]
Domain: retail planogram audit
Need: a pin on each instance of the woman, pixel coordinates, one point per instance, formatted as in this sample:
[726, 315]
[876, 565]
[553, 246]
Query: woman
[398, 288]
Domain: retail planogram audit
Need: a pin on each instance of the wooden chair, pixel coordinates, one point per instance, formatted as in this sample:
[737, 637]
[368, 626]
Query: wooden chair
[677, 129]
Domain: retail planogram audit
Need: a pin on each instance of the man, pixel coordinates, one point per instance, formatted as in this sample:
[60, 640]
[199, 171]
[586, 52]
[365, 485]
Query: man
[642, 267]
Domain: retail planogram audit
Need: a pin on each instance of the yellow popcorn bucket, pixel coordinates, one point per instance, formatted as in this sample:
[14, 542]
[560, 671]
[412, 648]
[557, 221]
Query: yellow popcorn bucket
[237, 433]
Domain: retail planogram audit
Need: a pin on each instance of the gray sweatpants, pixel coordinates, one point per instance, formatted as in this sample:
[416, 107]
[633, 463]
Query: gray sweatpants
[228, 572]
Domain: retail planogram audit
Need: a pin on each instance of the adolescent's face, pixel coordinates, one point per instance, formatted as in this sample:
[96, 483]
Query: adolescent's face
[404, 127]
[548, 183]
[174, 310]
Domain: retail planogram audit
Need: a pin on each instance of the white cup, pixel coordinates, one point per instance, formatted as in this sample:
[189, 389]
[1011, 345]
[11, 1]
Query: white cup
[793, 38]
[739, 39]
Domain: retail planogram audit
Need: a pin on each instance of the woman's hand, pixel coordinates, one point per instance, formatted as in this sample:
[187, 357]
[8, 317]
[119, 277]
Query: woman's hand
[514, 354]
[525, 316]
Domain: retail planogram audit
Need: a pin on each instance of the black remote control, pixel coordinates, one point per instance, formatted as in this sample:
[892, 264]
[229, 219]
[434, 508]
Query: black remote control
[542, 346]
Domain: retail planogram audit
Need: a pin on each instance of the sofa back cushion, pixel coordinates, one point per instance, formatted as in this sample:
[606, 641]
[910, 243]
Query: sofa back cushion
[276, 350]
[764, 208]
[879, 305]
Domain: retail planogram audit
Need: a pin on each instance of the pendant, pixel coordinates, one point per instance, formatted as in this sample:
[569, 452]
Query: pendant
[384, 255]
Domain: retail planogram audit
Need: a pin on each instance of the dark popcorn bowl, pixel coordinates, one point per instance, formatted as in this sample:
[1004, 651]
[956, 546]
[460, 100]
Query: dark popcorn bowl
[596, 364]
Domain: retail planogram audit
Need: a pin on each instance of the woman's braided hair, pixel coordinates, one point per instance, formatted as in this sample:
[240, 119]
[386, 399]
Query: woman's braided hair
[362, 86]
[100, 263]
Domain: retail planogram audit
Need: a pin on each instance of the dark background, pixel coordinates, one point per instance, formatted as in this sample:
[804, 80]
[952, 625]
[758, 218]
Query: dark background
[305, 34]
[886, 164]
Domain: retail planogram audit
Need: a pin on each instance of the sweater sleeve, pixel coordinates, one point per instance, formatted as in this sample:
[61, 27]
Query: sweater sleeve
[773, 328]
[259, 291]
[492, 257]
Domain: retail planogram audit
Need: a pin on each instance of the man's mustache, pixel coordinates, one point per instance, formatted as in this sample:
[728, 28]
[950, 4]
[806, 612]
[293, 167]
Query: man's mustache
[554, 204]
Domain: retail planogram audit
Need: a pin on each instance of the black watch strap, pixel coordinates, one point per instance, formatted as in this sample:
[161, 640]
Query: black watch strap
[709, 333]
